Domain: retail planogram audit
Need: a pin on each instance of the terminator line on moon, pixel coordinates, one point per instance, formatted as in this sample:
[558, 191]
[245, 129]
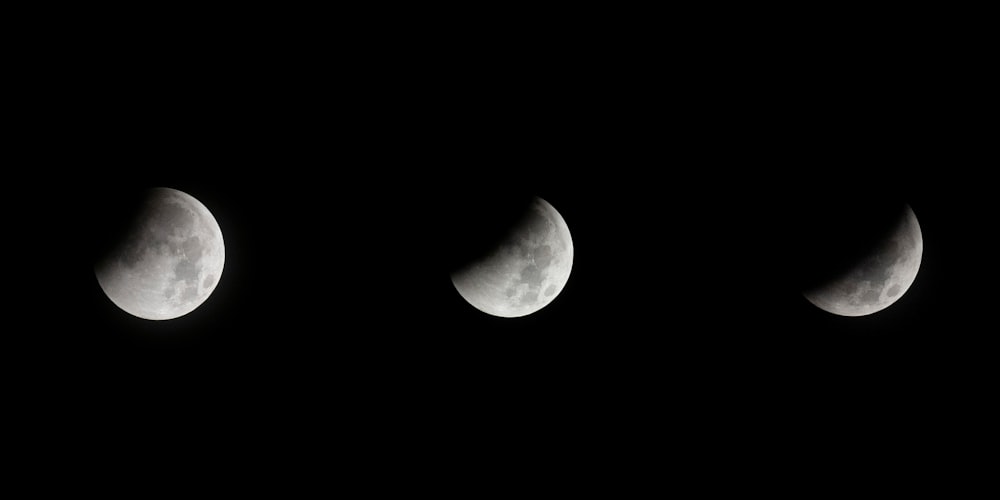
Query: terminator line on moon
[525, 272]
[880, 279]
[169, 262]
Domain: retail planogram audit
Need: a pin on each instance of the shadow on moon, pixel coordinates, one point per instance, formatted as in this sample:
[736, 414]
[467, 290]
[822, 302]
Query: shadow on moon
[480, 225]
[836, 239]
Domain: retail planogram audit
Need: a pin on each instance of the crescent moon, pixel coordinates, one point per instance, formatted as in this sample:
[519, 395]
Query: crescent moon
[878, 280]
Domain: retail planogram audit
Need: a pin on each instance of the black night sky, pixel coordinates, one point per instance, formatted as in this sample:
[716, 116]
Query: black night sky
[691, 184]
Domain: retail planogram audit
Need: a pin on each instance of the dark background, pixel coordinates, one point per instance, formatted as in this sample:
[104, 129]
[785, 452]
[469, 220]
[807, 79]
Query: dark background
[345, 166]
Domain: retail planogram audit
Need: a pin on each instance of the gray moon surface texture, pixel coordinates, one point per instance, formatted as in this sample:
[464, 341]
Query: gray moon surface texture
[526, 271]
[170, 260]
[878, 280]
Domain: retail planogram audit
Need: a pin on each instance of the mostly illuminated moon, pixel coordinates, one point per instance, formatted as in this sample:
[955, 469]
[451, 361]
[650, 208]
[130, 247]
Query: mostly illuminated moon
[170, 260]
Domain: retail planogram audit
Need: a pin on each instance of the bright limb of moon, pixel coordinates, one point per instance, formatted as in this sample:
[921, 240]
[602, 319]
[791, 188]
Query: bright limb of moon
[878, 280]
[525, 272]
[169, 262]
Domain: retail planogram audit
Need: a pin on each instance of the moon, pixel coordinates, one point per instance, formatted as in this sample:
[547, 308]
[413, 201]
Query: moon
[168, 262]
[879, 279]
[526, 271]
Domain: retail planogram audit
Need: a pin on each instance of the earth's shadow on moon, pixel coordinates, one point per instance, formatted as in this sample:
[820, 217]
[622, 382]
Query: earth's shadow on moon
[831, 239]
[115, 216]
[480, 224]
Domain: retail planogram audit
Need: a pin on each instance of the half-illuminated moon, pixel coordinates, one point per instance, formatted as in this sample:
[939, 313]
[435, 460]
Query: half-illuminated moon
[526, 271]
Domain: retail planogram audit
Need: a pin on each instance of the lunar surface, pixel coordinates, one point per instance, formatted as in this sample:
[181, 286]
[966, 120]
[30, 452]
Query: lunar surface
[878, 280]
[525, 272]
[169, 262]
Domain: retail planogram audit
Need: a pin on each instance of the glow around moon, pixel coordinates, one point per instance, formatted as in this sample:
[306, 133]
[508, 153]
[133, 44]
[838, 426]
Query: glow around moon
[880, 279]
[170, 261]
[524, 273]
